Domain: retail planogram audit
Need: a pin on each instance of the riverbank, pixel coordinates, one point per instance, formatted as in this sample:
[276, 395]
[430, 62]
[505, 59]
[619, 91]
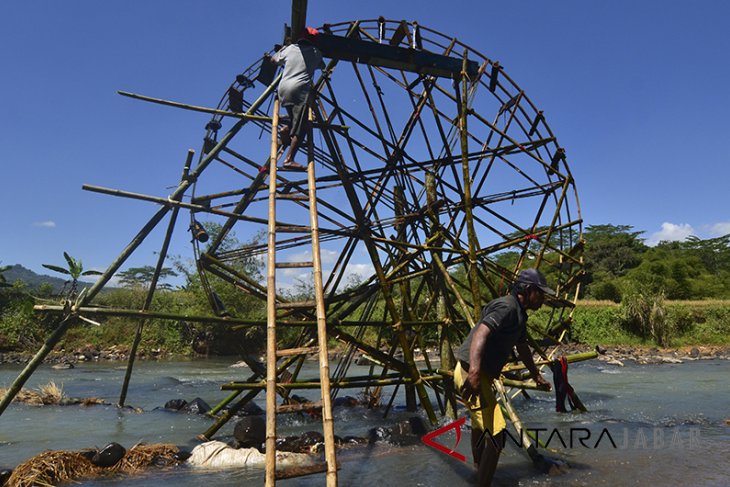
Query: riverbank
[612, 355]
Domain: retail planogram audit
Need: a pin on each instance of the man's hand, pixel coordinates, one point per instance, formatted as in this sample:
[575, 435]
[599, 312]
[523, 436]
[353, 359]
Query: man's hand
[542, 384]
[470, 389]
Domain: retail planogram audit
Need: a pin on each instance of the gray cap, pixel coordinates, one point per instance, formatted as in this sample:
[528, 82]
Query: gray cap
[533, 277]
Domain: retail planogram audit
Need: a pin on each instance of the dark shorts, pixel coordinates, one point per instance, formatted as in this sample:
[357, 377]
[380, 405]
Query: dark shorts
[298, 114]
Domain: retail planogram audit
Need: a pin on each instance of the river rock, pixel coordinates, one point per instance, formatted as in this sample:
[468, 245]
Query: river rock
[671, 360]
[196, 406]
[346, 401]
[250, 409]
[63, 366]
[401, 434]
[250, 432]
[694, 353]
[109, 455]
[311, 441]
[5, 475]
[175, 404]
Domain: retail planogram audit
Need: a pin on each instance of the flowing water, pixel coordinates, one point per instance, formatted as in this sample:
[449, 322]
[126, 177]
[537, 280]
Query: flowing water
[663, 425]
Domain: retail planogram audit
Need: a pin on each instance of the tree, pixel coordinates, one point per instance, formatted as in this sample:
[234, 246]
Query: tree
[136, 277]
[3, 282]
[75, 269]
[610, 252]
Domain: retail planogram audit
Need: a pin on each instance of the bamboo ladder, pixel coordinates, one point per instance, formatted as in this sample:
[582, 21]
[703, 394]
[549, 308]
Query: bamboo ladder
[272, 354]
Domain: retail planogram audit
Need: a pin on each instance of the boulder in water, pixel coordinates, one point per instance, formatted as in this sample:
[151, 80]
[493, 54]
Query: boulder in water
[5, 475]
[308, 442]
[109, 455]
[404, 433]
[250, 409]
[346, 401]
[175, 404]
[250, 431]
[196, 406]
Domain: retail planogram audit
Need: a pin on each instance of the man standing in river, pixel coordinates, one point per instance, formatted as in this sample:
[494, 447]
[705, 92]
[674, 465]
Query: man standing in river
[485, 351]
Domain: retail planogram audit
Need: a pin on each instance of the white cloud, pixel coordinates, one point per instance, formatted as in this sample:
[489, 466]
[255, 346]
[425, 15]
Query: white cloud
[328, 256]
[287, 279]
[303, 256]
[360, 271]
[671, 232]
[720, 229]
[45, 224]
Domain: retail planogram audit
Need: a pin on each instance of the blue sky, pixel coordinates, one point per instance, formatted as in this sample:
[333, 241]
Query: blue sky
[637, 93]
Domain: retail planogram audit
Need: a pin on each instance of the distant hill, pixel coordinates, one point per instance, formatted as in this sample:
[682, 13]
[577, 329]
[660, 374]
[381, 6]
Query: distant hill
[33, 280]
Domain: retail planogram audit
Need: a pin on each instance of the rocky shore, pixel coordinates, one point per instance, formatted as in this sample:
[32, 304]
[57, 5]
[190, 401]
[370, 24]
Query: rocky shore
[621, 354]
[61, 359]
[610, 354]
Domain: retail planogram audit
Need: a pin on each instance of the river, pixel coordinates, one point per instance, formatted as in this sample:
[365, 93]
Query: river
[646, 425]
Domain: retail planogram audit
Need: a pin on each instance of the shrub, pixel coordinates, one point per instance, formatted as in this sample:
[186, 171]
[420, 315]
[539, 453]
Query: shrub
[645, 315]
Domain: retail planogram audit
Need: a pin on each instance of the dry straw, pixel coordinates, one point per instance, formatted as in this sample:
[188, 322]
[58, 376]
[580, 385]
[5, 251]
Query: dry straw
[53, 467]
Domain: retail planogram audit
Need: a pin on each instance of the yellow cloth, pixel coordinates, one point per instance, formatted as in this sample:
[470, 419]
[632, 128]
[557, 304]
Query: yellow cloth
[489, 416]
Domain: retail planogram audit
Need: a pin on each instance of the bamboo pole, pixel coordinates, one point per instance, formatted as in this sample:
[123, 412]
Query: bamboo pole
[148, 302]
[298, 18]
[549, 234]
[405, 291]
[271, 310]
[341, 384]
[445, 352]
[324, 368]
[516, 422]
[577, 357]
[46, 308]
[169, 203]
[153, 286]
[452, 286]
[468, 210]
[195, 108]
[229, 413]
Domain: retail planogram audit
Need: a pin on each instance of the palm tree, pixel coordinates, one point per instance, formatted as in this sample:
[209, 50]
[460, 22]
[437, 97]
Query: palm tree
[75, 270]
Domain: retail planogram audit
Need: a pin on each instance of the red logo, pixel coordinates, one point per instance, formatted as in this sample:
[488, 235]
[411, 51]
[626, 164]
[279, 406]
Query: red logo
[456, 425]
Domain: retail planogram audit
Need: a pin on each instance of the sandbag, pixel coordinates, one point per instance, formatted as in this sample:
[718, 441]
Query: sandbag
[216, 454]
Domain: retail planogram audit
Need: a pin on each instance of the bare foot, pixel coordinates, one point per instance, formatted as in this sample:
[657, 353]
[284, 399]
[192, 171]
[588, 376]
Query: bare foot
[293, 166]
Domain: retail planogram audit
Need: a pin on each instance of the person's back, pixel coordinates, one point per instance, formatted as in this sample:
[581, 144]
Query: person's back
[300, 61]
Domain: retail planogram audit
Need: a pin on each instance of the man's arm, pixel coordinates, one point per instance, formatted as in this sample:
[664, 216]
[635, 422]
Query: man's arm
[525, 353]
[479, 340]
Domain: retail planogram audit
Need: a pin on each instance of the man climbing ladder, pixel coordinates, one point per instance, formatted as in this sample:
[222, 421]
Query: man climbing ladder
[300, 61]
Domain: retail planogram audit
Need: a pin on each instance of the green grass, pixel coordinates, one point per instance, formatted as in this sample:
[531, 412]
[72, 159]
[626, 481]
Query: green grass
[685, 322]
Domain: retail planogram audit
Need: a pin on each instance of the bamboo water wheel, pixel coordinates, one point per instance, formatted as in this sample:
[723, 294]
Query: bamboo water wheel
[434, 190]
[438, 179]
